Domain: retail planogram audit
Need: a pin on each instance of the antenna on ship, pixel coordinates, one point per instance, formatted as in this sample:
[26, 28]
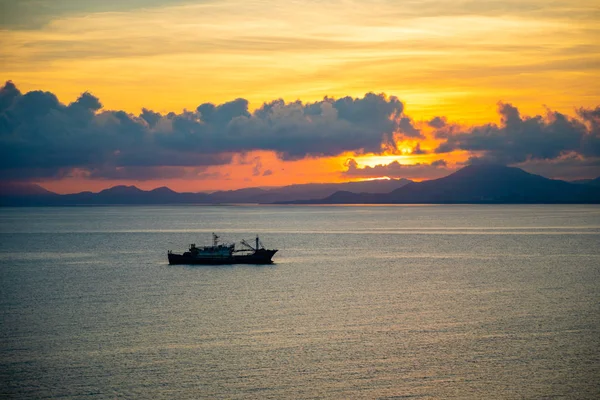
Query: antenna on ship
[257, 243]
[215, 239]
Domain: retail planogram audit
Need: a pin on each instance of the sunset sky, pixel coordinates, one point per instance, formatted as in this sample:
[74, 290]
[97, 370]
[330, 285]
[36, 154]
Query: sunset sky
[208, 95]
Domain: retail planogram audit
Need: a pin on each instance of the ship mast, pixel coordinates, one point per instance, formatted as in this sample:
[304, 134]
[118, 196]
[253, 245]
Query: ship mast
[249, 246]
[215, 240]
[246, 244]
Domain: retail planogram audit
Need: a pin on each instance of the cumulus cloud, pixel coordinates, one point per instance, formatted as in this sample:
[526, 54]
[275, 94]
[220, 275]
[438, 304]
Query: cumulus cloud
[396, 170]
[407, 128]
[41, 137]
[8, 94]
[437, 122]
[518, 139]
[591, 141]
[294, 130]
[151, 117]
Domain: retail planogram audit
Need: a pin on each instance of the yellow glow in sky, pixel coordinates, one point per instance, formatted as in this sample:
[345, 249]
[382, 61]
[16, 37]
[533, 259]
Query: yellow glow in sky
[440, 57]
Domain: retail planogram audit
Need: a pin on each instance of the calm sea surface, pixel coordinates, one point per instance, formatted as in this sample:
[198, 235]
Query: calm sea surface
[380, 302]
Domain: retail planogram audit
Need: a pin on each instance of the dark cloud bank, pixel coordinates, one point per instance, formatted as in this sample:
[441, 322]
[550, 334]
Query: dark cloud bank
[41, 138]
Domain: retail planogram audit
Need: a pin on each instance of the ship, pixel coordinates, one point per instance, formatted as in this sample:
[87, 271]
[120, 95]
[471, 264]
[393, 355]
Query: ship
[224, 253]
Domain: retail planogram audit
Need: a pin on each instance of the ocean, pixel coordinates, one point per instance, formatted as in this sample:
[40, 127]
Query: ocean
[363, 302]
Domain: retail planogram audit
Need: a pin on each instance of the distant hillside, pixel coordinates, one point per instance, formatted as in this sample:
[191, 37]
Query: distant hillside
[320, 190]
[129, 195]
[25, 194]
[34, 195]
[476, 184]
[472, 184]
[581, 181]
[23, 189]
[591, 182]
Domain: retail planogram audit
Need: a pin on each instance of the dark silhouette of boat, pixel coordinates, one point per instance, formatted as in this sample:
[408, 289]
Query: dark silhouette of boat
[224, 253]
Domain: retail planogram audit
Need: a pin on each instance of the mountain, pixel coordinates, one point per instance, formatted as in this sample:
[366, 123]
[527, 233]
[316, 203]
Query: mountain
[163, 191]
[303, 191]
[592, 182]
[23, 189]
[320, 190]
[122, 191]
[128, 195]
[476, 184]
[581, 181]
[132, 195]
[24, 194]
[472, 184]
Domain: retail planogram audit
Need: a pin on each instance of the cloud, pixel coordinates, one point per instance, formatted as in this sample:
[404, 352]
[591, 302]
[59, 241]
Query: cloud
[257, 168]
[294, 130]
[591, 141]
[221, 115]
[144, 173]
[437, 122]
[518, 139]
[396, 170]
[407, 128]
[8, 94]
[417, 150]
[151, 117]
[570, 166]
[41, 137]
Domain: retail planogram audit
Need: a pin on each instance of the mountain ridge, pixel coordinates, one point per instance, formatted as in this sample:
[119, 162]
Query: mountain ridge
[476, 184]
[129, 194]
[473, 184]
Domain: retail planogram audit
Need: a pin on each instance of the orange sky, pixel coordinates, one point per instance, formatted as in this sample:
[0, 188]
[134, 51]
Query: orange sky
[441, 58]
[241, 174]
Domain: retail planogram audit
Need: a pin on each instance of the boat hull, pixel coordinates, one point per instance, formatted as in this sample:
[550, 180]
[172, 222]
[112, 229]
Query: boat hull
[261, 256]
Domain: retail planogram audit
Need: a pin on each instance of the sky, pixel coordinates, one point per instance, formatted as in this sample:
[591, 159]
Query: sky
[211, 95]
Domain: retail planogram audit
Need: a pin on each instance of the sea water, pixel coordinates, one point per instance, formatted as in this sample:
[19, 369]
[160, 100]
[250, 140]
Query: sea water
[373, 302]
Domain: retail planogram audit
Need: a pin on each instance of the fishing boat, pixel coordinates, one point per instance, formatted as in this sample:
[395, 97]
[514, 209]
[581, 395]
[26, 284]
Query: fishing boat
[224, 253]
